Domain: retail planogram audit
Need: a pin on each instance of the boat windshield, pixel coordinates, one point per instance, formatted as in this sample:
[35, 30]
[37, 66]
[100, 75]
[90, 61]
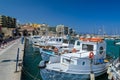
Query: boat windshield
[59, 40]
[87, 47]
[52, 39]
[65, 41]
[69, 41]
[36, 37]
[56, 39]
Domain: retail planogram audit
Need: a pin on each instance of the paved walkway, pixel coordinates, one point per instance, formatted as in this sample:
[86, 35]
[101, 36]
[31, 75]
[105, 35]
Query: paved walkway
[8, 61]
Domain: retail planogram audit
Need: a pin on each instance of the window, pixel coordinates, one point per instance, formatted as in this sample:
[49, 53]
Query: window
[36, 37]
[67, 61]
[57, 40]
[54, 39]
[60, 40]
[78, 43]
[50, 40]
[101, 50]
[65, 41]
[72, 41]
[83, 63]
[87, 47]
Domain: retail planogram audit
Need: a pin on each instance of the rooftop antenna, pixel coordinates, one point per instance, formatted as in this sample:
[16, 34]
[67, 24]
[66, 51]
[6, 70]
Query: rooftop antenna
[99, 31]
[94, 31]
[103, 31]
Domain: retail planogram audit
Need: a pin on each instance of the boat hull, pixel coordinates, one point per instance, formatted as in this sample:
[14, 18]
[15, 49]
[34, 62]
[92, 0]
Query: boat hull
[35, 48]
[58, 75]
[45, 57]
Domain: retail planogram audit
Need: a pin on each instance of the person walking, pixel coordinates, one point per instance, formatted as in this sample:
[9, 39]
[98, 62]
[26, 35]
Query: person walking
[22, 39]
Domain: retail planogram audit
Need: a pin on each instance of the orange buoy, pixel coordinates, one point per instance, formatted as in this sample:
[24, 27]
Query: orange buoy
[74, 50]
[91, 55]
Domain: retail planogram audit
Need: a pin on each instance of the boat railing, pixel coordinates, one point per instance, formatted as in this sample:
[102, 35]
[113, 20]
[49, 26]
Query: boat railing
[90, 51]
[59, 53]
[85, 58]
[94, 60]
[73, 57]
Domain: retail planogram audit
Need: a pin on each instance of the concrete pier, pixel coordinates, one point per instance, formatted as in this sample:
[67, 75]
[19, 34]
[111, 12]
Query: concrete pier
[8, 61]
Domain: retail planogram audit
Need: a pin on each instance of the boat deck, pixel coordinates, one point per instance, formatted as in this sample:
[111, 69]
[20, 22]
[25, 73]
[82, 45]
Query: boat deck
[57, 67]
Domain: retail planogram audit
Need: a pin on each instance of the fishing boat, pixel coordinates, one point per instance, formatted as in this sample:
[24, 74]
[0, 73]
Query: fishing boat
[44, 42]
[55, 41]
[33, 39]
[87, 63]
[58, 49]
[41, 43]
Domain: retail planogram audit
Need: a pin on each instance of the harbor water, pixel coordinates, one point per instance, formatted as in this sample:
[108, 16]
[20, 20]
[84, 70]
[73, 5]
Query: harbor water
[112, 49]
[31, 71]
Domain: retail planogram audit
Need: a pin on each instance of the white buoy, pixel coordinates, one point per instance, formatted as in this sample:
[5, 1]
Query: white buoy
[110, 76]
[92, 76]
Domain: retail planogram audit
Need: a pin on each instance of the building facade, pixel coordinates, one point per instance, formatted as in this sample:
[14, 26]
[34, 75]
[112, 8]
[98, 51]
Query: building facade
[7, 24]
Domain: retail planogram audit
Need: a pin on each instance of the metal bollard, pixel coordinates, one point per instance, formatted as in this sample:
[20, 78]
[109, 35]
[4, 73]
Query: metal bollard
[17, 60]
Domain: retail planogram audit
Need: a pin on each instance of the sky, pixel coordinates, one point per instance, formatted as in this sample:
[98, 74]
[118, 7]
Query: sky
[84, 16]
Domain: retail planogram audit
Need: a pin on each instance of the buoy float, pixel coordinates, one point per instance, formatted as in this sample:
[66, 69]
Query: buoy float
[74, 50]
[106, 60]
[91, 55]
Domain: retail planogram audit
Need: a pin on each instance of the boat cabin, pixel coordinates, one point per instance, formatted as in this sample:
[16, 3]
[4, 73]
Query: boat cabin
[55, 40]
[35, 39]
[77, 45]
[98, 50]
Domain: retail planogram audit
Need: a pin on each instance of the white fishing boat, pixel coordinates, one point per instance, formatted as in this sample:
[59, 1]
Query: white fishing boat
[61, 47]
[114, 70]
[55, 41]
[50, 42]
[46, 41]
[29, 40]
[87, 63]
[33, 39]
[42, 42]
